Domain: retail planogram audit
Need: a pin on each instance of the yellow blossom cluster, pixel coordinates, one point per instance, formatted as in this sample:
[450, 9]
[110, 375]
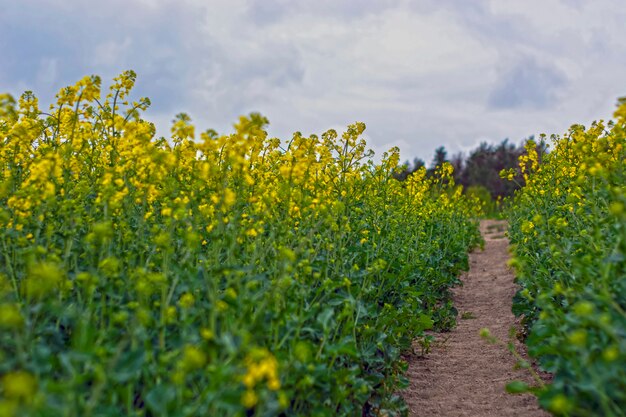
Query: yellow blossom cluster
[568, 229]
[177, 276]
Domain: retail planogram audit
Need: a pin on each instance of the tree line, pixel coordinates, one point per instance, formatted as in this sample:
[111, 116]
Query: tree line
[479, 171]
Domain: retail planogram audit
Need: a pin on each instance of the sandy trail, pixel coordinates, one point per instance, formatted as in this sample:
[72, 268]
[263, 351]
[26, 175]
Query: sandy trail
[463, 375]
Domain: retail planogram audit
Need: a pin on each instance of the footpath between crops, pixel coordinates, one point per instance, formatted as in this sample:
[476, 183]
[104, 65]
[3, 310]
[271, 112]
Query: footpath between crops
[463, 375]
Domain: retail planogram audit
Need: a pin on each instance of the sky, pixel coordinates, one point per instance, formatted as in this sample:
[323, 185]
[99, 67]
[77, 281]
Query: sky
[419, 73]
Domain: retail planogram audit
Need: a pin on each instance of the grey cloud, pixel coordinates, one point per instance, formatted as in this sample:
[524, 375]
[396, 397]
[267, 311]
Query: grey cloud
[267, 12]
[180, 65]
[263, 12]
[577, 4]
[527, 84]
[480, 20]
[278, 64]
[249, 79]
[63, 39]
[462, 7]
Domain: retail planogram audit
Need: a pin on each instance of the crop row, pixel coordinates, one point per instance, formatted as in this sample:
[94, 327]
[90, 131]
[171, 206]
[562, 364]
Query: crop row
[568, 230]
[219, 275]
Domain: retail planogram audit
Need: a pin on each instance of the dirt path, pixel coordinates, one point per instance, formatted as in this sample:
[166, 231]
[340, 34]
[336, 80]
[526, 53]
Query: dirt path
[463, 375]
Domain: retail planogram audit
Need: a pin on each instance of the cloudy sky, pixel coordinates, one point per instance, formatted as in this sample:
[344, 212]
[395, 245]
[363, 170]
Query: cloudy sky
[419, 73]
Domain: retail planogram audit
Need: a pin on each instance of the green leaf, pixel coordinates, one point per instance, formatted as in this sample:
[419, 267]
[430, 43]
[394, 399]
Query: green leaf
[325, 317]
[128, 366]
[517, 387]
[159, 398]
[425, 321]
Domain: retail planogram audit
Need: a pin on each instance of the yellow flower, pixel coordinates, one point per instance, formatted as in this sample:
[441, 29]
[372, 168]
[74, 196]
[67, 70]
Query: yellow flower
[527, 227]
[110, 266]
[261, 365]
[249, 399]
[560, 405]
[273, 384]
[10, 316]
[578, 337]
[583, 308]
[229, 197]
[230, 293]
[616, 208]
[162, 240]
[611, 353]
[171, 314]
[8, 408]
[19, 385]
[207, 334]
[186, 300]
[193, 358]
[42, 279]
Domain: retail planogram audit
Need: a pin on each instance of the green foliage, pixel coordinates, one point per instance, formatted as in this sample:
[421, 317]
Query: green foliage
[568, 231]
[517, 387]
[228, 276]
[483, 165]
[482, 194]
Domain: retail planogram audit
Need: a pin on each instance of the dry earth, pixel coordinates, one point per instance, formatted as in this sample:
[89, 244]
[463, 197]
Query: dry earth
[463, 375]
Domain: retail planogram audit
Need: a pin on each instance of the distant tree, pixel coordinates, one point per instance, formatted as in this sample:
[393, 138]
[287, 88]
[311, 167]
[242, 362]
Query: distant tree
[417, 164]
[484, 164]
[441, 156]
[458, 163]
[481, 168]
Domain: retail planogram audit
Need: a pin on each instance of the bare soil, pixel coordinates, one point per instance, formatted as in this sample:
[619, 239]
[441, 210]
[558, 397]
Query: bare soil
[464, 375]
